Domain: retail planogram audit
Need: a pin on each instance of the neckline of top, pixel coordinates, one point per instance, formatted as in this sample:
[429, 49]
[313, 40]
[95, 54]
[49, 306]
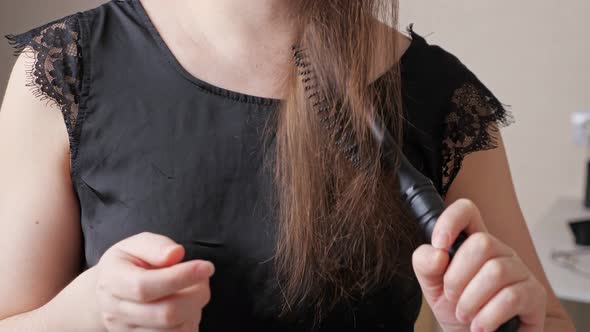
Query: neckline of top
[235, 95]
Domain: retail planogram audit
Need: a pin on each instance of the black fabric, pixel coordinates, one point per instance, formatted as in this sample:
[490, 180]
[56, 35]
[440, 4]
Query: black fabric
[156, 149]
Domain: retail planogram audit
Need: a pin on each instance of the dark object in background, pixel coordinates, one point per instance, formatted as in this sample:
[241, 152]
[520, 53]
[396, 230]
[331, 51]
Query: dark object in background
[581, 230]
[587, 199]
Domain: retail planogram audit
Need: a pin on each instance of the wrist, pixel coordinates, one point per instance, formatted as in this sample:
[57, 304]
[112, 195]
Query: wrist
[28, 321]
[75, 308]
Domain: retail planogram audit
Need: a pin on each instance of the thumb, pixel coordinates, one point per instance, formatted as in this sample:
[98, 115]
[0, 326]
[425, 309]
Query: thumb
[148, 250]
[430, 265]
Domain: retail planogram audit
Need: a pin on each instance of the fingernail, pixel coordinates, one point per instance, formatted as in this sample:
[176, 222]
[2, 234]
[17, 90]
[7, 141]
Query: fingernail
[207, 268]
[441, 240]
[475, 327]
[169, 249]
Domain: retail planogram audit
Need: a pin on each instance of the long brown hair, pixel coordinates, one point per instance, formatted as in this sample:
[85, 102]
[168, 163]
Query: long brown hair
[341, 228]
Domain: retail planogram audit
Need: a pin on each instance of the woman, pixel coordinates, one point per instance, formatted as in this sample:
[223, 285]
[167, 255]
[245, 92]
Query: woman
[114, 222]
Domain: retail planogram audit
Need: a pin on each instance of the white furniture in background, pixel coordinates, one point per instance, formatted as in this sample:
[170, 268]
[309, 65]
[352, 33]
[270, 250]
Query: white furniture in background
[553, 233]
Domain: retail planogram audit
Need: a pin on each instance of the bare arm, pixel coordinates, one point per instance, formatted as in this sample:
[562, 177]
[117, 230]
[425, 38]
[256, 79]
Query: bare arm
[485, 179]
[72, 310]
[40, 237]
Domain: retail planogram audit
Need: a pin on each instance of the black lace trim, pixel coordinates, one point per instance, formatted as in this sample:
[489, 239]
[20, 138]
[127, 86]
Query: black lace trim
[55, 72]
[472, 124]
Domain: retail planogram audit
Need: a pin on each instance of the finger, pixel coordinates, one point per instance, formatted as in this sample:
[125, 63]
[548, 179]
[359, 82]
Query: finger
[201, 292]
[495, 275]
[112, 323]
[175, 329]
[153, 249]
[429, 265]
[170, 312]
[190, 326]
[478, 249]
[460, 216]
[117, 326]
[123, 327]
[132, 283]
[524, 299]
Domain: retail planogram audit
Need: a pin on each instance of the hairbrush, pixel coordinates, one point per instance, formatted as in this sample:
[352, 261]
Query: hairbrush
[417, 190]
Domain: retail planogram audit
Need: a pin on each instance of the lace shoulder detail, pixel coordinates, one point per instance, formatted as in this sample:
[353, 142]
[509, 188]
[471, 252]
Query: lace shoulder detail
[471, 124]
[55, 68]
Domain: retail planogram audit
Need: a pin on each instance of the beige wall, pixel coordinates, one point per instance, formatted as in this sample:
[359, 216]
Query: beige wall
[535, 55]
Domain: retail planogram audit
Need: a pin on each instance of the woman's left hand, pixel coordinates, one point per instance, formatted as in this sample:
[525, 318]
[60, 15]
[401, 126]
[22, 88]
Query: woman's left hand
[485, 284]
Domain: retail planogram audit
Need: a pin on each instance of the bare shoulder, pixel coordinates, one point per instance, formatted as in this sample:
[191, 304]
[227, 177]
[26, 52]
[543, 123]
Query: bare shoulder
[23, 106]
[40, 233]
[29, 121]
[387, 53]
[403, 44]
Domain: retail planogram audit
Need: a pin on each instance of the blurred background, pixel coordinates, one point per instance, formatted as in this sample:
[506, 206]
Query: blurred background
[533, 54]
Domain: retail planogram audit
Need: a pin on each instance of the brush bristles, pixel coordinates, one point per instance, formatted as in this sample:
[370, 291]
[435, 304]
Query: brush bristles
[344, 139]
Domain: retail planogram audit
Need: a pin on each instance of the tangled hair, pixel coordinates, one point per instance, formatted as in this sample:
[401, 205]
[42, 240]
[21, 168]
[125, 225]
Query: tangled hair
[341, 228]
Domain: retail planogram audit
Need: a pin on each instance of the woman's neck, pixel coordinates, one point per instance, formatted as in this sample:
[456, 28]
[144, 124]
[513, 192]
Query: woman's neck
[240, 45]
[234, 26]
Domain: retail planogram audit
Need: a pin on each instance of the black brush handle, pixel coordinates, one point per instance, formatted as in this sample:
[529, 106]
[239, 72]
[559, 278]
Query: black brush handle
[419, 193]
[423, 201]
[426, 206]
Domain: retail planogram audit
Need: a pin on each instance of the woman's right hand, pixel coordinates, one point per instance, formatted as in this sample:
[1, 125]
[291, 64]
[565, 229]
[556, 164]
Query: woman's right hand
[142, 286]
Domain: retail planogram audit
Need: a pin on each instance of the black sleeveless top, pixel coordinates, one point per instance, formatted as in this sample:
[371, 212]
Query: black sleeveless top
[155, 149]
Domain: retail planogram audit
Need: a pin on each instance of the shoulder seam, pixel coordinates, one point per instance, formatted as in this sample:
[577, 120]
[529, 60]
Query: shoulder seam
[86, 73]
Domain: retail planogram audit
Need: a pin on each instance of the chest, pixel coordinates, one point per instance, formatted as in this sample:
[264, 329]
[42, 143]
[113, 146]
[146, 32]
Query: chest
[193, 170]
